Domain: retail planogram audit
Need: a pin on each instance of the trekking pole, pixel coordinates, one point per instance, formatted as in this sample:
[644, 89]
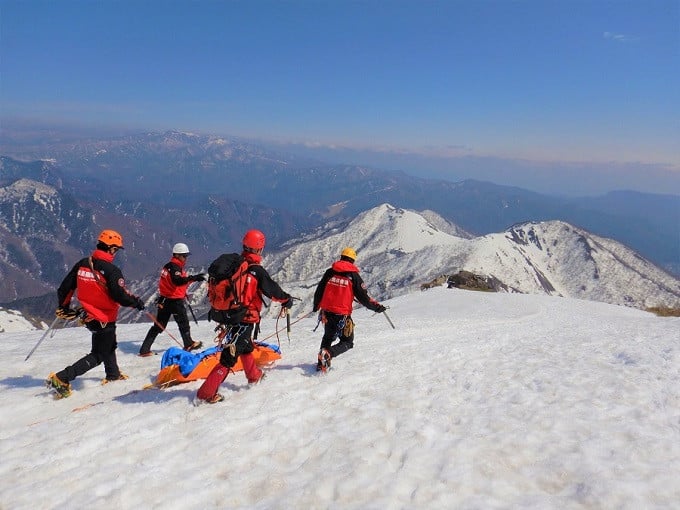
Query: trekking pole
[158, 324]
[293, 322]
[42, 338]
[54, 330]
[191, 310]
[388, 319]
[288, 324]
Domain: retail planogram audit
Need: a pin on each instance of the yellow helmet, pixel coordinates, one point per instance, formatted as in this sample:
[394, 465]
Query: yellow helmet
[111, 238]
[349, 253]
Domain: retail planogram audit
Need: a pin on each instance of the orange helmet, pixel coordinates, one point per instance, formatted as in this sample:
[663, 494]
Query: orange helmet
[254, 240]
[111, 238]
[349, 253]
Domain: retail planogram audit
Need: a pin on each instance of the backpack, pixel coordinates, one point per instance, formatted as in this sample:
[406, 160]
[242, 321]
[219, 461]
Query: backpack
[226, 288]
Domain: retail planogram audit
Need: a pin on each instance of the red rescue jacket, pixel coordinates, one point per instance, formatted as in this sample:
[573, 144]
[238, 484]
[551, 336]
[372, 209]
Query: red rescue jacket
[259, 283]
[100, 286]
[338, 288]
[173, 282]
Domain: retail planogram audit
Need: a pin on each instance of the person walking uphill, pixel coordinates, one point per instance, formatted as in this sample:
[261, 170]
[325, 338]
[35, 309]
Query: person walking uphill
[172, 290]
[334, 297]
[257, 283]
[101, 291]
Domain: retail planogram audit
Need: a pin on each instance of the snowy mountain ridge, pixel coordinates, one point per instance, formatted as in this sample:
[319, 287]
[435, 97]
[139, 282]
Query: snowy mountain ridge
[399, 250]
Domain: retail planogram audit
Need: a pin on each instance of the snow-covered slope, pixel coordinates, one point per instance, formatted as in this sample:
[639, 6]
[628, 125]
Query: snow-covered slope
[560, 259]
[12, 321]
[475, 401]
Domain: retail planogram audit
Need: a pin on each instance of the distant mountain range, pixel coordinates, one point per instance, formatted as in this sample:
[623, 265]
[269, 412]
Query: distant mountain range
[162, 188]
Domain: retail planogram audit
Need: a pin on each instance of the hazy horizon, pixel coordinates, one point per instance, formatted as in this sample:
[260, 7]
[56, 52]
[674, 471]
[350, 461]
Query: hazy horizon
[576, 179]
[542, 96]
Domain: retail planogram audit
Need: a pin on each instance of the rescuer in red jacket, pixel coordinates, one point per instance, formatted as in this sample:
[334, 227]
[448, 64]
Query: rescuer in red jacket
[172, 292]
[240, 345]
[334, 297]
[101, 291]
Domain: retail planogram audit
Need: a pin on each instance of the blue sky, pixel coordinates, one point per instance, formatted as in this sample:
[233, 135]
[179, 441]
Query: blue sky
[448, 88]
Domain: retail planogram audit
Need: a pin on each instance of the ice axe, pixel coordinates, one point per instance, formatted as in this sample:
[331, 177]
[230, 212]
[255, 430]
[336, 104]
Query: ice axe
[388, 319]
[191, 310]
[42, 338]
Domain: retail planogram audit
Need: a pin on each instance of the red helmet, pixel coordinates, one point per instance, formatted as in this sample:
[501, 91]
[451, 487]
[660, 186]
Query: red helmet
[254, 240]
[111, 238]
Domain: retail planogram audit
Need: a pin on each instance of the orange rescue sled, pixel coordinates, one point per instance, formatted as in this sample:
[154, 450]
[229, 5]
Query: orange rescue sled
[176, 364]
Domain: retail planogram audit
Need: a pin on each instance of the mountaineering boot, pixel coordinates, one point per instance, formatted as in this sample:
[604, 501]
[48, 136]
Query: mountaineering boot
[61, 389]
[193, 346]
[324, 361]
[215, 399]
[120, 377]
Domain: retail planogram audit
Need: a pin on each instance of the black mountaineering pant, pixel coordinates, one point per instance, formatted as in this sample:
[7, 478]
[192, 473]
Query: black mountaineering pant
[103, 351]
[242, 344]
[335, 328]
[166, 308]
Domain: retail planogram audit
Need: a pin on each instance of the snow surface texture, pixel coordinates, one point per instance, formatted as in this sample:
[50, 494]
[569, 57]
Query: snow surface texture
[474, 401]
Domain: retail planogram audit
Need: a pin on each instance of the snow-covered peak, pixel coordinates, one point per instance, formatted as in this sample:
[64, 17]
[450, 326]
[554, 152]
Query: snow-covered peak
[383, 237]
[24, 188]
[399, 250]
[394, 230]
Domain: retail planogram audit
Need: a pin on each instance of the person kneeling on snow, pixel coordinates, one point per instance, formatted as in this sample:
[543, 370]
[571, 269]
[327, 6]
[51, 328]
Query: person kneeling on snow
[334, 297]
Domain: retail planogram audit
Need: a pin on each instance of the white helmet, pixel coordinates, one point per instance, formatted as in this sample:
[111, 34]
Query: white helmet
[181, 249]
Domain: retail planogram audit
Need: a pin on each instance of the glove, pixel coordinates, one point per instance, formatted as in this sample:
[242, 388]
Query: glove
[288, 304]
[66, 313]
[198, 277]
[139, 304]
[380, 309]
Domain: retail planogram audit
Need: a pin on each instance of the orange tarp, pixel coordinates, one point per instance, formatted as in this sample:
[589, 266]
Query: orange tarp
[171, 375]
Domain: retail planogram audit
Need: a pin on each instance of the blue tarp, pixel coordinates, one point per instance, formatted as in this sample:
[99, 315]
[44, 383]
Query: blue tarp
[187, 361]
